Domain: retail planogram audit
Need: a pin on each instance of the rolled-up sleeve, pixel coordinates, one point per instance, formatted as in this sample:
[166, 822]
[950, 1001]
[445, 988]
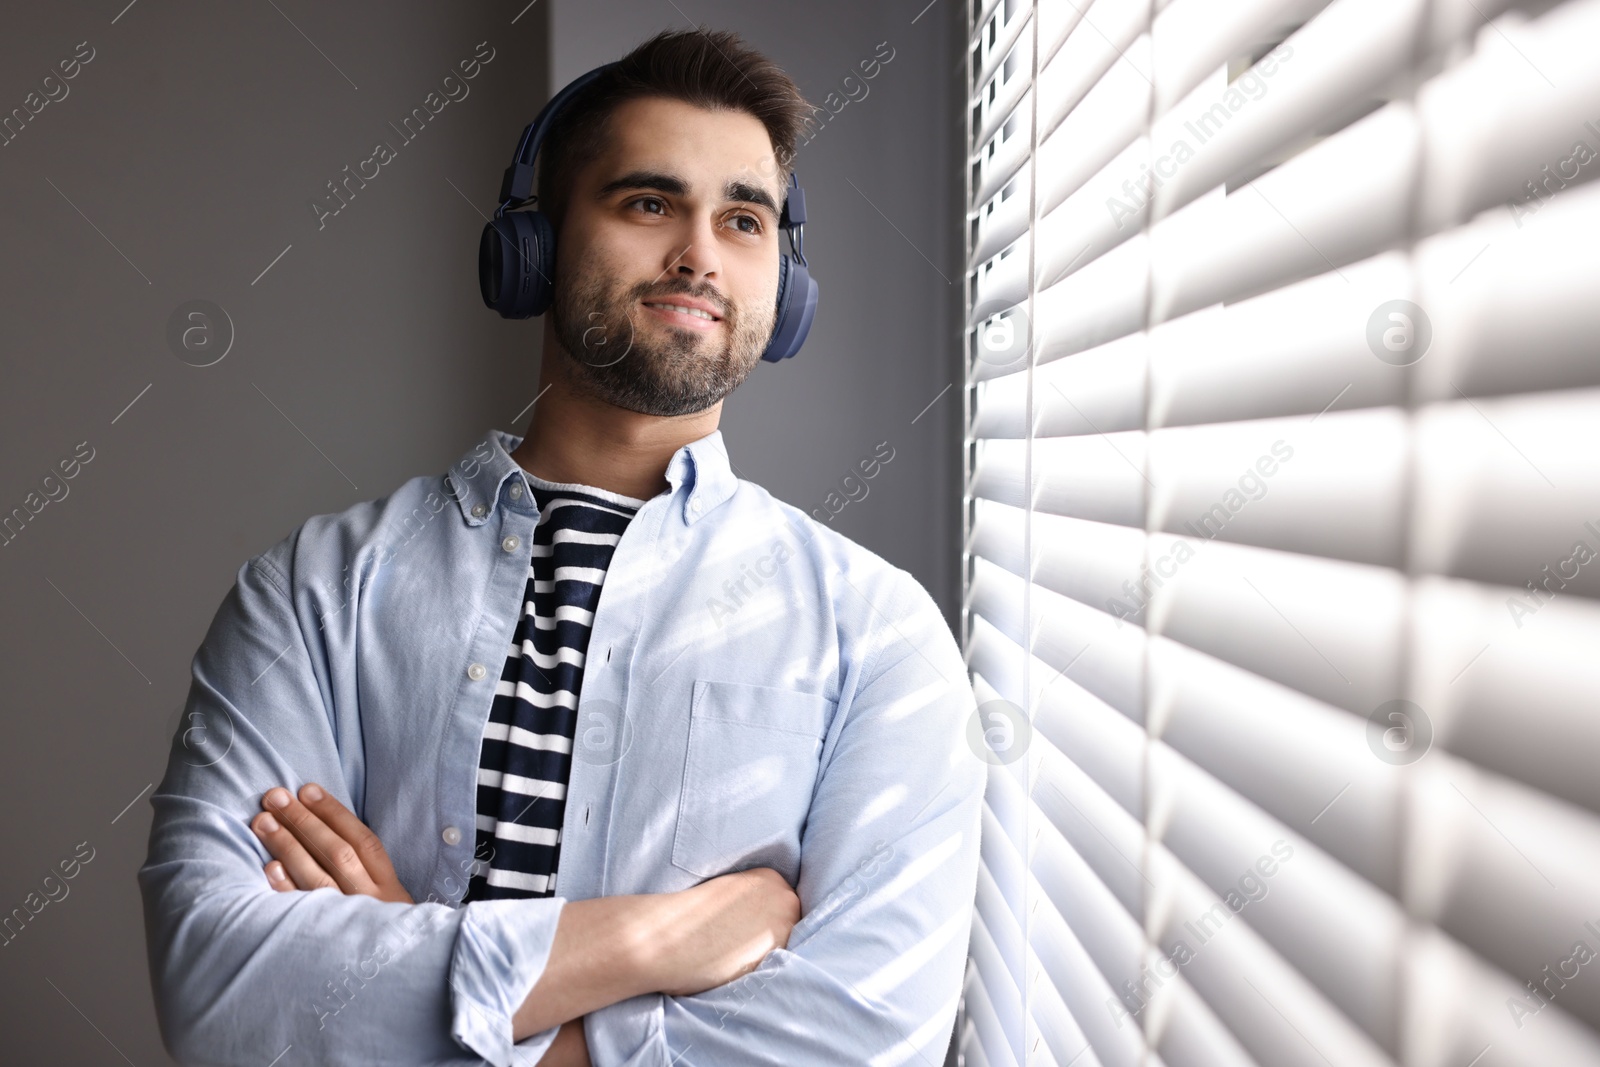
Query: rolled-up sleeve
[872, 972]
[242, 973]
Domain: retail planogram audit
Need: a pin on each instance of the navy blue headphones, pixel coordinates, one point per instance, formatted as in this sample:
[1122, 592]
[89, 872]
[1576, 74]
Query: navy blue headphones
[517, 252]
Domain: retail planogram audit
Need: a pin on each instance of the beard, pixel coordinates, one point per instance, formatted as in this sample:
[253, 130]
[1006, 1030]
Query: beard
[653, 367]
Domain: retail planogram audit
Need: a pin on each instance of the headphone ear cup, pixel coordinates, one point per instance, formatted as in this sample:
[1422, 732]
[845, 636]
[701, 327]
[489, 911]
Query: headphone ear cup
[541, 287]
[516, 258]
[493, 248]
[797, 306]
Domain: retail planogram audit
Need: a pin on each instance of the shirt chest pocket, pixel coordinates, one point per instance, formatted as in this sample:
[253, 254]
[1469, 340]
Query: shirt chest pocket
[748, 777]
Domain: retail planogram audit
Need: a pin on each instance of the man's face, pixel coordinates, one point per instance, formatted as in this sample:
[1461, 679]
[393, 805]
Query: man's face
[681, 207]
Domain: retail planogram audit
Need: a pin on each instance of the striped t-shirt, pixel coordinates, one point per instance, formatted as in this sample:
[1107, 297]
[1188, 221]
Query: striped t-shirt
[526, 758]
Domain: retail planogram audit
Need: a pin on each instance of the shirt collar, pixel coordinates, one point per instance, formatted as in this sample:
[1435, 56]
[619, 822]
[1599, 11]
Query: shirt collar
[477, 479]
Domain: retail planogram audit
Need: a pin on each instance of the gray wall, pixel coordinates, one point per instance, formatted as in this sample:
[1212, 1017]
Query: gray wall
[179, 166]
[193, 143]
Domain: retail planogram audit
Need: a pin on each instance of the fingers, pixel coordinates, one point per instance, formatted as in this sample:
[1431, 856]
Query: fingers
[312, 852]
[292, 867]
[278, 878]
[342, 821]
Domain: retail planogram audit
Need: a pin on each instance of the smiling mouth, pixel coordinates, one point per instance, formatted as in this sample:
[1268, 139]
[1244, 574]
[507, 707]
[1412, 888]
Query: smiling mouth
[682, 315]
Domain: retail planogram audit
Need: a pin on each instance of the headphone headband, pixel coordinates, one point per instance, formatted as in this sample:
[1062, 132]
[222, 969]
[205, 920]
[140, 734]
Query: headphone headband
[516, 188]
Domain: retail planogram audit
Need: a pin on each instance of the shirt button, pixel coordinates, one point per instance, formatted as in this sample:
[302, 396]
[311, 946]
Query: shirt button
[477, 671]
[510, 544]
[451, 835]
[516, 492]
[479, 511]
[694, 505]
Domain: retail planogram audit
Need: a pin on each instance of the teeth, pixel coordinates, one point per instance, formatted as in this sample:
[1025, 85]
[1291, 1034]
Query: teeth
[685, 310]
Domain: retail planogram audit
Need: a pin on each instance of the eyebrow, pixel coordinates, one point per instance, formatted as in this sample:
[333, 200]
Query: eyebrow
[735, 190]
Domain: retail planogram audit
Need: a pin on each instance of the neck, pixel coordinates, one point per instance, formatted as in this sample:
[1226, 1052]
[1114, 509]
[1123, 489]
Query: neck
[576, 437]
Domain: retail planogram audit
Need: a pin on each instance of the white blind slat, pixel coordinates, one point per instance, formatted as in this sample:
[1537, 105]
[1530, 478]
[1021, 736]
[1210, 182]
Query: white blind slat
[1460, 1005]
[1089, 647]
[1193, 1035]
[1326, 74]
[989, 1029]
[1110, 937]
[1005, 996]
[1491, 840]
[1101, 40]
[1195, 37]
[1001, 925]
[1006, 103]
[1091, 220]
[1098, 391]
[1342, 200]
[1518, 700]
[1509, 486]
[1005, 220]
[1330, 486]
[1087, 561]
[1303, 348]
[1098, 741]
[1305, 763]
[1084, 990]
[1099, 830]
[1002, 157]
[1337, 931]
[1001, 281]
[1328, 629]
[1101, 300]
[1511, 115]
[1098, 477]
[1511, 300]
[1109, 119]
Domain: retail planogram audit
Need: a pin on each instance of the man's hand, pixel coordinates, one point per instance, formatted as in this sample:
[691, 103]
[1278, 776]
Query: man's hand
[318, 842]
[719, 930]
[608, 949]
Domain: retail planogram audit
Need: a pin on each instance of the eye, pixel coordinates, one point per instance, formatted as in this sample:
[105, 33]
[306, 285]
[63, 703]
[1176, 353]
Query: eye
[755, 223]
[649, 200]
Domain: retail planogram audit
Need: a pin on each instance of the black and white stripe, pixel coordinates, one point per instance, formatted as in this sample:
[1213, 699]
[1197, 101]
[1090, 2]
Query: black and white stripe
[526, 758]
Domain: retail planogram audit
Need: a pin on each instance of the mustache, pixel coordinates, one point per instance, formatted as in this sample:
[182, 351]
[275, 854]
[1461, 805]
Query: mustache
[710, 296]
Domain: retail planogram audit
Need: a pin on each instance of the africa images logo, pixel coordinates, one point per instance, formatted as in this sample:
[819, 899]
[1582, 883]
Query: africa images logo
[1251, 85]
[1251, 887]
[452, 89]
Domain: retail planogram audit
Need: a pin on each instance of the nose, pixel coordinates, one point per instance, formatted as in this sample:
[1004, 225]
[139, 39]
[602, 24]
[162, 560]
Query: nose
[699, 259]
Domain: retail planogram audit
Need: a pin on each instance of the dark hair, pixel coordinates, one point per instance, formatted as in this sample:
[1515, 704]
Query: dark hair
[712, 69]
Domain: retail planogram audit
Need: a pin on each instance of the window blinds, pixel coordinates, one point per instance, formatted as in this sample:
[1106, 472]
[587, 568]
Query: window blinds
[1282, 532]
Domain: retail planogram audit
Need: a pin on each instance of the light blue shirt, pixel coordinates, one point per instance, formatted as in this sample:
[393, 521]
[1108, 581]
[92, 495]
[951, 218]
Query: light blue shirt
[759, 691]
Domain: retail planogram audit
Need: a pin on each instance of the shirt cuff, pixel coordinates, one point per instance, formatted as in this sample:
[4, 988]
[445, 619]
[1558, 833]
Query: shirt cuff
[501, 950]
[629, 1033]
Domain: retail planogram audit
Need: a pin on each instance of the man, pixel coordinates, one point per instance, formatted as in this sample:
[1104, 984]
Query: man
[724, 815]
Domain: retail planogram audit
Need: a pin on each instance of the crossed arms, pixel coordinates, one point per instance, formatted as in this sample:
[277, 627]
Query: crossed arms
[871, 970]
[605, 950]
